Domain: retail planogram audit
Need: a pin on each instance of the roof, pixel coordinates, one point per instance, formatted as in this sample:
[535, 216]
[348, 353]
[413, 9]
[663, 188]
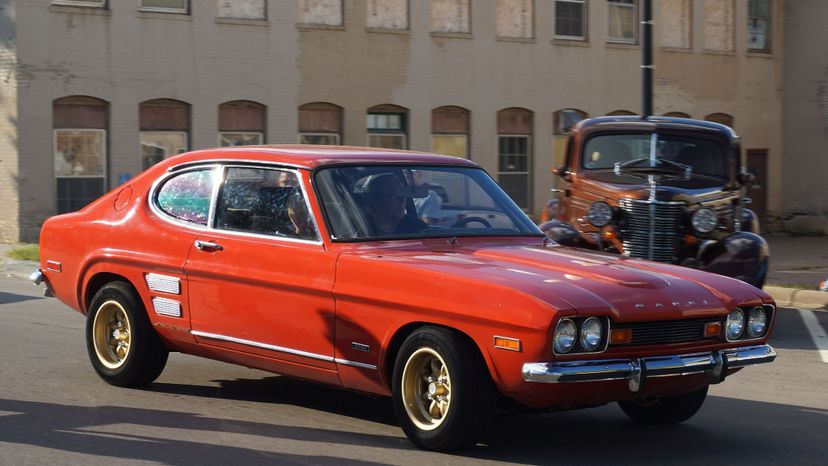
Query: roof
[653, 123]
[312, 156]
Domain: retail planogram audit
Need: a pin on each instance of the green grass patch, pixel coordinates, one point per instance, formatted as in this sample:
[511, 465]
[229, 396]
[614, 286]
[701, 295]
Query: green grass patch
[26, 252]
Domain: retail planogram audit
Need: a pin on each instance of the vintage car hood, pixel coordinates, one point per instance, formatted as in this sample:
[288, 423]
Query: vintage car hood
[696, 189]
[631, 289]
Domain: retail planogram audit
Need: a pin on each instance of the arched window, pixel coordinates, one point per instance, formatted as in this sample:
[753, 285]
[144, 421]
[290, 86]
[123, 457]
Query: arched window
[565, 119]
[164, 130]
[387, 126]
[621, 113]
[450, 131]
[514, 153]
[79, 146]
[677, 115]
[722, 118]
[241, 123]
[320, 123]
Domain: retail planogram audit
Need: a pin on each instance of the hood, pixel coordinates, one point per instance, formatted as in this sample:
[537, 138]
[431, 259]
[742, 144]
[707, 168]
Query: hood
[565, 278]
[698, 188]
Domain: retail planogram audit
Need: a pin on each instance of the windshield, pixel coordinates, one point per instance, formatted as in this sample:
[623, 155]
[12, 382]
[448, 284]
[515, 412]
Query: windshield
[706, 157]
[392, 201]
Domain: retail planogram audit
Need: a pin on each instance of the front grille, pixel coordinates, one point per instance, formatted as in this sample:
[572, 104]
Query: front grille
[665, 332]
[652, 229]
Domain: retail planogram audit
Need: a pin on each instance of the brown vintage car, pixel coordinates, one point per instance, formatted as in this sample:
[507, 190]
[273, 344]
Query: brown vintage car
[664, 189]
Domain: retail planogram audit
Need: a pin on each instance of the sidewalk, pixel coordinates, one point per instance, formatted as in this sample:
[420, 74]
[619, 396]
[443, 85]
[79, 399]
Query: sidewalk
[798, 264]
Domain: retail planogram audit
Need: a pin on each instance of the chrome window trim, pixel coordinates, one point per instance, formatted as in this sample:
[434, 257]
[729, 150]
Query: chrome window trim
[244, 162]
[281, 349]
[219, 173]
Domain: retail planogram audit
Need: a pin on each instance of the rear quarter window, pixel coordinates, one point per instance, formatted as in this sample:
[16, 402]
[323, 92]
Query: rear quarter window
[187, 196]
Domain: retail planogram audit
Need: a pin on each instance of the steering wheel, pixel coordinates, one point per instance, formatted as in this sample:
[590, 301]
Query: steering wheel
[465, 221]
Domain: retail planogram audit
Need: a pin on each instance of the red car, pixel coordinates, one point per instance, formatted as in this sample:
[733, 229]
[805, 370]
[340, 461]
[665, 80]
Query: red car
[322, 263]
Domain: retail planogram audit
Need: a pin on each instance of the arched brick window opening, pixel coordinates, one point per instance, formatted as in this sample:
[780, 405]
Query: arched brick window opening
[387, 126]
[241, 123]
[320, 123]
[164, 130]
[450, 126]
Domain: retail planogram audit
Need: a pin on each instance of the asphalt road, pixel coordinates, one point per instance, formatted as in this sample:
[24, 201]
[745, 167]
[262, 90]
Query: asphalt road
[55, 410]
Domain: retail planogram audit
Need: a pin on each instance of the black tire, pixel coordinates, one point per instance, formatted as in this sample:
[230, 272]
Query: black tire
[665, 410]
[468, 405]
[122, 345]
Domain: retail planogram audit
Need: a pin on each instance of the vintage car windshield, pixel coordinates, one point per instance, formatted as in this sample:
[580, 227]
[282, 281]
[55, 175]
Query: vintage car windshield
[392, 201]
[706, 157]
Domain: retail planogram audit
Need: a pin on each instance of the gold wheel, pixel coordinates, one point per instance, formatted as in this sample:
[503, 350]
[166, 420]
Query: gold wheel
[112, 334]
[426, 389]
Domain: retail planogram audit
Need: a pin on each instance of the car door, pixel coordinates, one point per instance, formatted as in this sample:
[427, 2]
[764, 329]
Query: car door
[261, 279]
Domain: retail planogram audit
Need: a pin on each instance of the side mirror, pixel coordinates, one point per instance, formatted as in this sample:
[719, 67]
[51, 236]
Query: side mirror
[562, 171]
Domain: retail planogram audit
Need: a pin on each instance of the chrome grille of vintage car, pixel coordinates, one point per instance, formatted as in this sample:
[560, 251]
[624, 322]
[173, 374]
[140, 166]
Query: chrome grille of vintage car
[665, 332]
[653, 229]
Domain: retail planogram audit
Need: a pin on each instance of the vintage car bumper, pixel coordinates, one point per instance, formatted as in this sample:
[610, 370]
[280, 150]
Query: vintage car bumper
[636, 371]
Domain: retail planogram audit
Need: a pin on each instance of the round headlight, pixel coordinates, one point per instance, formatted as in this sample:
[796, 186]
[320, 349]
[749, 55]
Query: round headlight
[591, 331]
[735, 324]
[565, 334]
[704, 220]
[757, 322]
[600, 214]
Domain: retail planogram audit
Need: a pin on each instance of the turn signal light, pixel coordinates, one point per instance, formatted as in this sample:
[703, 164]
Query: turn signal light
[620, 336]
[712, 329]
[507, 343]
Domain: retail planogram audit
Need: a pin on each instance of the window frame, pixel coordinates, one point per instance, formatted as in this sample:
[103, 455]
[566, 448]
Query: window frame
[636, 18]
[104, 165]
[335, 135]
[140, 145]
[100, 4]
[402, 132]
[584, 21]
[244, 133]
[219, 175]
[158, 9]
[528, 172]
[768, 32]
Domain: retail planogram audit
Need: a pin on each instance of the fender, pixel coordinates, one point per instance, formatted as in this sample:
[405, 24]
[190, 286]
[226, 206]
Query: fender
[564, 234]
[750, 221]
[743, 255]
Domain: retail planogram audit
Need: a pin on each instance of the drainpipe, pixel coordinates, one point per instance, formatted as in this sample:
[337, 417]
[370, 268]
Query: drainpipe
[647, 60]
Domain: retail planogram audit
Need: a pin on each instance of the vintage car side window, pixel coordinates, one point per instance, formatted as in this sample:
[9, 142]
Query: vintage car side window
[187, 196]
[264, 201]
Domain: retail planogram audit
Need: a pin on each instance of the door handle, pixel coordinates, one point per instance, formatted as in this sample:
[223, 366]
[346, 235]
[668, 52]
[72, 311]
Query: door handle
[207, 246]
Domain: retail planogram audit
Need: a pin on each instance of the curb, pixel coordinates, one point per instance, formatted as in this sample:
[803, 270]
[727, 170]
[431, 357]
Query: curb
[792, 297]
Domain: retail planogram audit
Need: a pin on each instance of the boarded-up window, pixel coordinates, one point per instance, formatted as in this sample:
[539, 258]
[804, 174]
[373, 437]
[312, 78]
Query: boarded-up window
[450, 16]
[165, 127]
[79, 150]
[718, 25]
[514, 154]
[722, 118]
[450, 131]
[673, 23]
[320, 123]
[241, 123]
[241, 9]
[387, 126]
[386, 14]
[323, 12]
[515, 18]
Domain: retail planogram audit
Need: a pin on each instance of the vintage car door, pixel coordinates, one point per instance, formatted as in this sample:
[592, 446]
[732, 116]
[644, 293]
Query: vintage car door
[261, 279]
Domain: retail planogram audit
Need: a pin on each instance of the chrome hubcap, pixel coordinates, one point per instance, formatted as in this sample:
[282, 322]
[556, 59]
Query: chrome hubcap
[426, 389]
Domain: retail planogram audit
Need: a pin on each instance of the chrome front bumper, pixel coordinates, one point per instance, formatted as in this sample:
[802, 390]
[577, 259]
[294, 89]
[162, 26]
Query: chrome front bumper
[715, 363]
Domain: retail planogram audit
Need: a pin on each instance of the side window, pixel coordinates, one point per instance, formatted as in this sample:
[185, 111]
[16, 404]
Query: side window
[264, 201]
[187, 196]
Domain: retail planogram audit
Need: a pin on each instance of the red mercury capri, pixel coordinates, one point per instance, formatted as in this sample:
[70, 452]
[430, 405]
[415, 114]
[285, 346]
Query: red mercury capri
[395, 273]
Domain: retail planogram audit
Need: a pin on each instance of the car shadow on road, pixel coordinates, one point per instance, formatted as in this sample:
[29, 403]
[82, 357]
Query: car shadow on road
[11, 298]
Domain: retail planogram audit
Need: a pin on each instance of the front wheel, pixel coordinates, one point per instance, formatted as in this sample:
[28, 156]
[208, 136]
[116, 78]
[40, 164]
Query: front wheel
[444, 398]
[122, 345]
[665, 410]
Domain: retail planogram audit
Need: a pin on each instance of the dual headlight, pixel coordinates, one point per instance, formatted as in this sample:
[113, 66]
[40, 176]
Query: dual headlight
[745, 327]
[581, 335]
[704, 220]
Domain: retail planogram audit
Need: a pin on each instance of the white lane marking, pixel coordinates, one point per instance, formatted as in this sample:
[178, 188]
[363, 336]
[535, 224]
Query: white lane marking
[816, 331]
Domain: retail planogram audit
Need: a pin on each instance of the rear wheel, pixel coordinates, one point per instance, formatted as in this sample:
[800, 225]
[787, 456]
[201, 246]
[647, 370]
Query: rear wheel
[122, 345]
[665, 410]
[444, 398]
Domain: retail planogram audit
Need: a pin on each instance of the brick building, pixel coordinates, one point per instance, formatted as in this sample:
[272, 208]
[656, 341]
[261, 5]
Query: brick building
[94, 91]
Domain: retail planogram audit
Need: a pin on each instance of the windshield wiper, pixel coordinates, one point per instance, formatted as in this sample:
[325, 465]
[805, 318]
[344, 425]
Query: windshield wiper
[653, 166]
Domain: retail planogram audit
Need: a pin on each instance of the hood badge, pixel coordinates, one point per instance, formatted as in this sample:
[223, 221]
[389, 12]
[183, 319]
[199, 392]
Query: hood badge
[674, 303]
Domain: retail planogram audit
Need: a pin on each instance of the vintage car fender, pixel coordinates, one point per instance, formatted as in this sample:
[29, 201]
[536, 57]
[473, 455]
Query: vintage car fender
[565, 234]
[750, 221]
[743, 255]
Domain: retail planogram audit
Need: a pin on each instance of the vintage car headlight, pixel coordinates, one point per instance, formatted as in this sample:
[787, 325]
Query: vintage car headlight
[591, 332]
[565, 334]
[757, 322]
[600, 214]
[704, 220]
[735, 324]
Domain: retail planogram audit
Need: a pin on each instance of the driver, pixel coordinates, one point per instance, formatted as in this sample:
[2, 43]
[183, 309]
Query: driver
[387, 207]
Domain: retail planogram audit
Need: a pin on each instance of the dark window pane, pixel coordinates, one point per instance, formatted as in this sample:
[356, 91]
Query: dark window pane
[75, 193]
[517, 187]
[569, 19]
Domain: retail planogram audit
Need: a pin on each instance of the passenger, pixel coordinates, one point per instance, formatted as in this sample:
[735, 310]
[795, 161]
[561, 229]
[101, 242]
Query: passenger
[300, 217]
[387, 207]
